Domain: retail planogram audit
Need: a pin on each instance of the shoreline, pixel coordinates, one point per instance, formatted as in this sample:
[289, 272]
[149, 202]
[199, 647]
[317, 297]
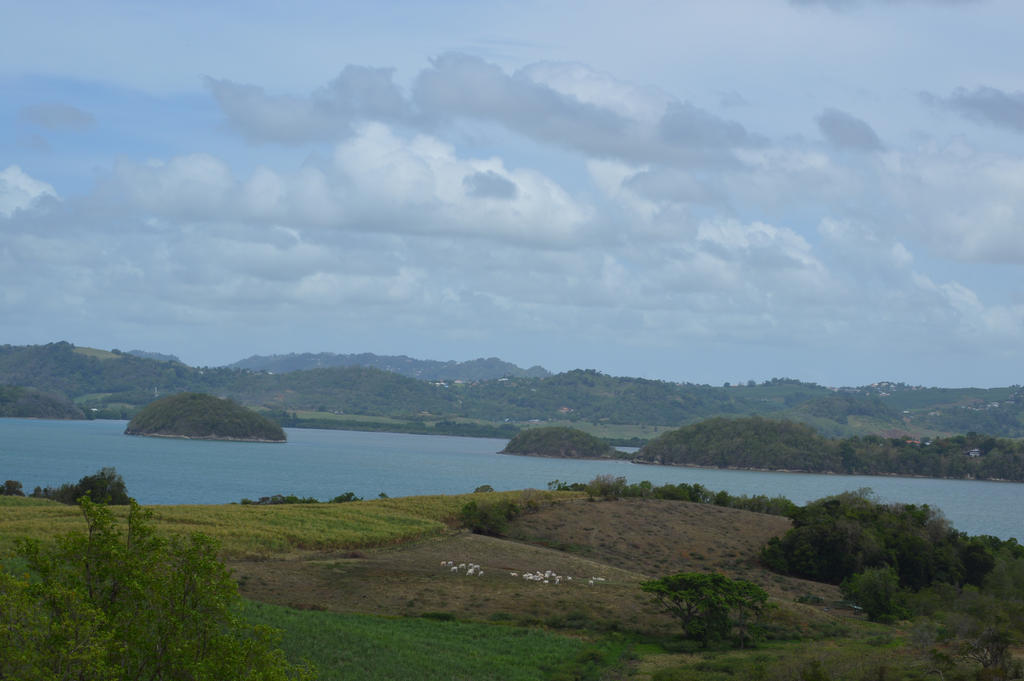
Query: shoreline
[211, 438]
[759, 470]
[807, 472]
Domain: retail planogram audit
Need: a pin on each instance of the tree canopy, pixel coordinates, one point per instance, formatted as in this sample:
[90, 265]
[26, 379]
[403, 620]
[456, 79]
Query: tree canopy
[116, 604]
[710, 606]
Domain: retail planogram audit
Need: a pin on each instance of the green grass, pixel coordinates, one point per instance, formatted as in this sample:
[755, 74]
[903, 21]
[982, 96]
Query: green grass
[372, 648]
[98, 354]
[91, 396]
[265, 531]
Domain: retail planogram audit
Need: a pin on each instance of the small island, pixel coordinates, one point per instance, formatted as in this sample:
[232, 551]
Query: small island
[561, 442]
[203, 417]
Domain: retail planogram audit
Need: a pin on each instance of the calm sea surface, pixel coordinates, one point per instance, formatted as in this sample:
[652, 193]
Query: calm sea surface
[326, 463]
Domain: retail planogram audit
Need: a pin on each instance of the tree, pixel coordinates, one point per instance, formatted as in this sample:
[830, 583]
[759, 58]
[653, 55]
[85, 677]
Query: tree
[119, 605]
[703, 604]
[104, 487]
[12, 488]
[877, 590]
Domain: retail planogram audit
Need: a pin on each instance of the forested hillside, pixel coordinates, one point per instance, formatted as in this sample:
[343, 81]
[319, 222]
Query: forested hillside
[113, 384]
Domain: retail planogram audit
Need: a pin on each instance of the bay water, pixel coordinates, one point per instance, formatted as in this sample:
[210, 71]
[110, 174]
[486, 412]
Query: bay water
[326, 463]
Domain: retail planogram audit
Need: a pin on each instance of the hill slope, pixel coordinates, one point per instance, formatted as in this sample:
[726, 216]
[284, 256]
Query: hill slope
[623, 542]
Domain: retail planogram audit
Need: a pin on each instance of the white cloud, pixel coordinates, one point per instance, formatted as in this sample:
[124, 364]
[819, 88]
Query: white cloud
[377, 181]
[962, 204]
[645, 105]
[197, 184]
[18, 190]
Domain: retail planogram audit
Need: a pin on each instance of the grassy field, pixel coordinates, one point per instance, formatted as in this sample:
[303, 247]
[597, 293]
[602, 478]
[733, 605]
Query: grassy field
[363, 589]
[255, 531]
[374, 648]
[98, 354]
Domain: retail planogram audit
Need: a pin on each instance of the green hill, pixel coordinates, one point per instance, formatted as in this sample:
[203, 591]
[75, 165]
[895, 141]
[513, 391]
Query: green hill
[198, 416]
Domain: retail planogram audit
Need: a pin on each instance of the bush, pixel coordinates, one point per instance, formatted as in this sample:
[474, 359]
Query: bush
[113, 605]
[607, 486]
[12, 488]
[877, 591]
[105, 486]
[488, 517]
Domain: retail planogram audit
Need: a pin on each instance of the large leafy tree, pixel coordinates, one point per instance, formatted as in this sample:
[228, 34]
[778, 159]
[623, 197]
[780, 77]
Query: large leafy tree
[710, 605]
[119, 604]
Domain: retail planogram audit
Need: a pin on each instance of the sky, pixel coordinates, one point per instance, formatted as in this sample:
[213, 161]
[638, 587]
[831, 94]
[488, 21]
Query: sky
[701, 191]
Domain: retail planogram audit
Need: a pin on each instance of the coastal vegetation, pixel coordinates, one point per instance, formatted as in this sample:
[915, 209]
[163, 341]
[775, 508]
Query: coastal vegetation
[205, 417]
[106, 486]
[766, 444]
[31, 403]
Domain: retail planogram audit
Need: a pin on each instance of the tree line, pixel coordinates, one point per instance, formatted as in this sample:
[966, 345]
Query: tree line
[760, 443]
[106, 486]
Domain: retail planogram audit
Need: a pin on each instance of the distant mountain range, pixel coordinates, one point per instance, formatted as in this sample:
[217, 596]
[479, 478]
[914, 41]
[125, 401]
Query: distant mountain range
[424, 369]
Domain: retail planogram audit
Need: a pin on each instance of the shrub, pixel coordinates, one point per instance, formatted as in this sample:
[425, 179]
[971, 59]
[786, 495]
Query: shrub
[105, 486]
[607, 486]
[12, 488]
[488, 517]
[114, 605]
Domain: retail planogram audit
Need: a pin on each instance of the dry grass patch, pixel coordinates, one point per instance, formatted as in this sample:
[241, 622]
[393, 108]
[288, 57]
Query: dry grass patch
[624, 542]
[656, 537]
[409, 580]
